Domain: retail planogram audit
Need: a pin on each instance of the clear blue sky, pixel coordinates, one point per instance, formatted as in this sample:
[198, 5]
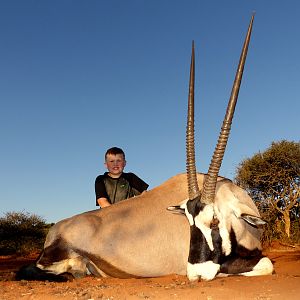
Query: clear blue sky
[78, 77]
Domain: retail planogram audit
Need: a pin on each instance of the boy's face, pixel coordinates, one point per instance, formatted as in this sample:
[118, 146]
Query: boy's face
[115, 164]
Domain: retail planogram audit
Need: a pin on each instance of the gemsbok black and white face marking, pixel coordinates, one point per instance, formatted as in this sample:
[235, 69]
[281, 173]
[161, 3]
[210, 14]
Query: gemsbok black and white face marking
[205, 243]
[139, 237]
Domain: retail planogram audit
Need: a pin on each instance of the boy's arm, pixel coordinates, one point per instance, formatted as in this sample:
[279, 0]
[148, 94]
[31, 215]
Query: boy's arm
[101, 194]
[103, 202]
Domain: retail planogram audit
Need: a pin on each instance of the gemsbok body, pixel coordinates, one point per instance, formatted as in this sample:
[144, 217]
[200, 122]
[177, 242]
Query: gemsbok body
[194, 224]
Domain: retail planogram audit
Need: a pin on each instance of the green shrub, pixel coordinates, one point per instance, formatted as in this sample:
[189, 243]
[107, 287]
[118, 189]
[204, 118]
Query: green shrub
[22, 233]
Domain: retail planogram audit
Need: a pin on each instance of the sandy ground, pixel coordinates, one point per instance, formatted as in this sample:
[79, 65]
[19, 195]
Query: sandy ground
[283, 285]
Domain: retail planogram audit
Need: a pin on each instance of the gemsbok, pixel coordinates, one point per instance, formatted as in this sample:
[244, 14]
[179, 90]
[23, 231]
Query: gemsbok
[194, 224]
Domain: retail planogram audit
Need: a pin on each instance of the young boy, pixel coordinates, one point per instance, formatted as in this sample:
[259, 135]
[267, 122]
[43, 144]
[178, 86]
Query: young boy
[115, 185]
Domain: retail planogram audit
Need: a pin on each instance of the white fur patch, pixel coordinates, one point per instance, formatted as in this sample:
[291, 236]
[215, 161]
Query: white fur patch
[263, 267]
[226, 243]
[57, 267]
[71, 265]
[224, 232]
[224, 215]
[189, 217]
[203, 221]
[205, 271]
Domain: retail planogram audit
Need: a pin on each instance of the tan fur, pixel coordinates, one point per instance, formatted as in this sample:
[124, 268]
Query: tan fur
[139, 236]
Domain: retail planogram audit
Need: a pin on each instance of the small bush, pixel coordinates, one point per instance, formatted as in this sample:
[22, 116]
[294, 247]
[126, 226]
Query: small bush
[270, 229]
[22, 233]
[274, 229]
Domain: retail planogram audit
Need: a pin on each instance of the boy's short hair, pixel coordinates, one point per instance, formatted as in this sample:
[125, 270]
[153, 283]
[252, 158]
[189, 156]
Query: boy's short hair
[114, 151]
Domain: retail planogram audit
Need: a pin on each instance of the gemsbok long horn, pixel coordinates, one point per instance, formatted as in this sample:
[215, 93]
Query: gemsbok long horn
[209, 189]
[193, 188]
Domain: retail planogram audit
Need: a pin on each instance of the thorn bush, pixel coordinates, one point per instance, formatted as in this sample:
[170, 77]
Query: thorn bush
[22, 233]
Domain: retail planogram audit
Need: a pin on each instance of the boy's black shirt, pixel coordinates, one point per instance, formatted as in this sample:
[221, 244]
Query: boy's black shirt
[118, 189]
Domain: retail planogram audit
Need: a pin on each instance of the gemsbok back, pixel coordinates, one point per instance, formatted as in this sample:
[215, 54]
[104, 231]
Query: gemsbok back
[213, 229]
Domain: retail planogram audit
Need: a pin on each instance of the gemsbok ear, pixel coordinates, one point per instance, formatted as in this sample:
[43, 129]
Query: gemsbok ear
[176, 209]
[253, 220]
